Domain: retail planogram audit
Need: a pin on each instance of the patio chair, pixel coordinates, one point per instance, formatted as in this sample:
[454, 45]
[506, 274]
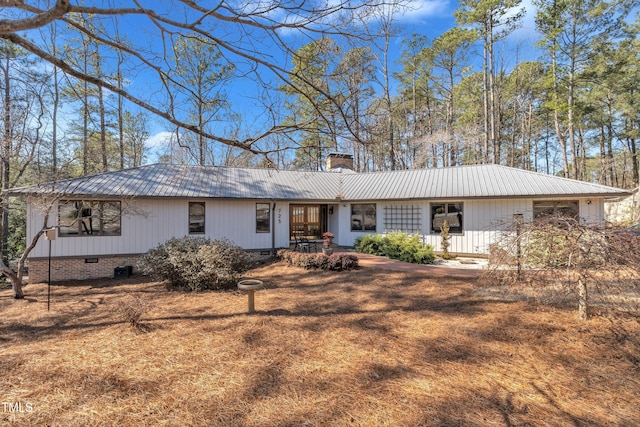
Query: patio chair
[296, 243]
[306, 245]
[302, 244]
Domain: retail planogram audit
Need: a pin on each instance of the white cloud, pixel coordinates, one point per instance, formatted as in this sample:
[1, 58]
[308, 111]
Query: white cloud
[159, 140]
[527, 29]
[418, 10]
[156, 145]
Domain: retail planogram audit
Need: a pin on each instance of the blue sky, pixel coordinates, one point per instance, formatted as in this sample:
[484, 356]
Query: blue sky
[426, 17]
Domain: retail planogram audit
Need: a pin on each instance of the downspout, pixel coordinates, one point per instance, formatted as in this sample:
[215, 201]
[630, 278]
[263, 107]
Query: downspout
[273, 229]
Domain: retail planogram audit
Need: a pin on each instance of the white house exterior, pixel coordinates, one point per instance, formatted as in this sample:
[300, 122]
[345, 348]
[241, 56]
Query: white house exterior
[109, 219]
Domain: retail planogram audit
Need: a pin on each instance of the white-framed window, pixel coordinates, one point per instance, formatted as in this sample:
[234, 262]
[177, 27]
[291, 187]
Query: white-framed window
[453, 213]
[81, 218]
[196, 217]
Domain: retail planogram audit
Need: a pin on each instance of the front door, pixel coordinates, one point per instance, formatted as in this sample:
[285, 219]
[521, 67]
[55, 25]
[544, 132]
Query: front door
[305, 221]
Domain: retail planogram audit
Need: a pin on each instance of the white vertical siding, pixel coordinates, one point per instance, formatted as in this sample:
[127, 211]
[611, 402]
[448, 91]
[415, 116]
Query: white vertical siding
[147, 223]
[282, 224]
[344, 237]
[592, 210]
[333, 221]
[483, 221]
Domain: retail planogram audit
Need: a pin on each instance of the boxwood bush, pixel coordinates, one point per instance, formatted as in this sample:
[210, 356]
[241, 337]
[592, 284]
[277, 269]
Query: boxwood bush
[196, 263]
[396, 246]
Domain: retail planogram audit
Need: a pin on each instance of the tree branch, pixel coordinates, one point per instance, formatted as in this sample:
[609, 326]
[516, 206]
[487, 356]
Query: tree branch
[42, 18]
[245, 145]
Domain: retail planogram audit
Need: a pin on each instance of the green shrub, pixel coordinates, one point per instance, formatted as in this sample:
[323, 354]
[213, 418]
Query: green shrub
[196, 263]
[335, 262]
[396, 246]
[372, 244]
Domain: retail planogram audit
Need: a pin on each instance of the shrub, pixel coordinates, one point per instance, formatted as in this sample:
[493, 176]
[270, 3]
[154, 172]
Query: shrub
[444, 240]
[320, 261]
[372, 244]
[196, 263]
[335, 262]
[131, 308]
[339, 262]
[396, 246]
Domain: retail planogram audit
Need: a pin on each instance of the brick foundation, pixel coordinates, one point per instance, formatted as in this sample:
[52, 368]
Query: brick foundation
[76, 268]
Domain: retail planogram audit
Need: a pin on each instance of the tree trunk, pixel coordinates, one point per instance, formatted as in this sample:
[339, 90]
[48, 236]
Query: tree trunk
[610, 159]
[571, 126]
[85, 118]
[15, 277]
[103, 131]
[54, 113]
[121, 121]
[54, 126]
[634, 160]
[556, 116]
[201, 141]
[583, 311]
[485, 102]
[6, 156]
[492, 101]
[450, 112]
[602, 179]
[16, 281]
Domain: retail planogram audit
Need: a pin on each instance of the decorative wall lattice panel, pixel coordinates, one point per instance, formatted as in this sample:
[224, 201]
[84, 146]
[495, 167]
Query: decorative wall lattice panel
[404, 218]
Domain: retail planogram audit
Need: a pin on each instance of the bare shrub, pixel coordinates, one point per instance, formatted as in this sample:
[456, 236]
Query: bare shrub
[131, 308]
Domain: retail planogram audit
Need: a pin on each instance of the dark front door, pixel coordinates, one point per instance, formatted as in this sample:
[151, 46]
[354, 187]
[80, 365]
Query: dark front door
[305, 221]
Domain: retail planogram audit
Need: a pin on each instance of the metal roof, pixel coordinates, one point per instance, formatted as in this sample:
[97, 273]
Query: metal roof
[463, 182]
[187, 182]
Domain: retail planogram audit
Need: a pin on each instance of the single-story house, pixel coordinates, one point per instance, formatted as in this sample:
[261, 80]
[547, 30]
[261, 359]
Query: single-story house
[107, 220]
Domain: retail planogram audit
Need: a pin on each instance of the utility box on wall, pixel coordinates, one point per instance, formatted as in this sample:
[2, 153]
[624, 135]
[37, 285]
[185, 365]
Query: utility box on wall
[122, 272]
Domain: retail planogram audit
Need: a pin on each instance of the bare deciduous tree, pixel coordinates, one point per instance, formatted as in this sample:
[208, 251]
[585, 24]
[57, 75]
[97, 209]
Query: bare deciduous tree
[571, 257]
[252, 36]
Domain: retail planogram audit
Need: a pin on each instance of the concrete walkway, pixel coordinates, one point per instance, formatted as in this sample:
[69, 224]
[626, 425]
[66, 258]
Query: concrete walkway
[448, 269]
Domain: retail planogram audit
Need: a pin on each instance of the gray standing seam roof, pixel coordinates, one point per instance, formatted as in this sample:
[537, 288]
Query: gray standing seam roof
[194, 182]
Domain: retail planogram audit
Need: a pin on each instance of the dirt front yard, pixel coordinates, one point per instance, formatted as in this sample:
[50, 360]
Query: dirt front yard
[363, 348]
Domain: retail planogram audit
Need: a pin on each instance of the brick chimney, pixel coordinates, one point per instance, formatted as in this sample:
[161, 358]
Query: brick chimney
[339, 160]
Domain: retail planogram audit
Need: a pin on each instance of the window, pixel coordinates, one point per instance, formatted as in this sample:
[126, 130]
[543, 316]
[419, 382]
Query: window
[363, 217]
[88, 218]
[451, 212]
[564, 208]
[263, 221]
[196, 217]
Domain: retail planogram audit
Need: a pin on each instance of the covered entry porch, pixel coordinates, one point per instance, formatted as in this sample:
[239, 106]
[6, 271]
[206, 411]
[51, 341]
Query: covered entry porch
[311, 220]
